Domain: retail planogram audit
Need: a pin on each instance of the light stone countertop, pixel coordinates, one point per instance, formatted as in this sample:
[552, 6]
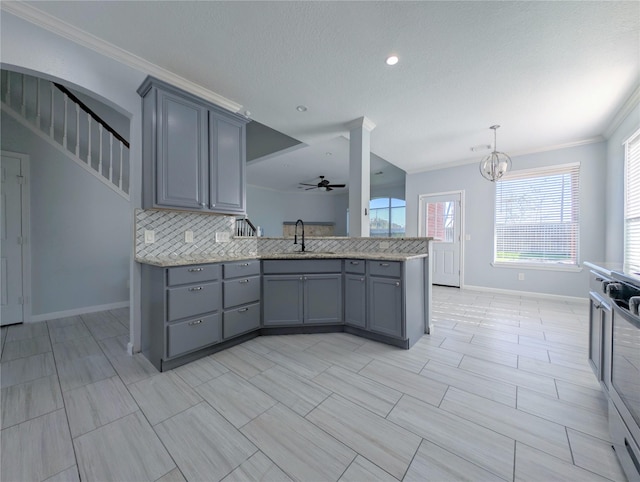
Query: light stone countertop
[187, 260]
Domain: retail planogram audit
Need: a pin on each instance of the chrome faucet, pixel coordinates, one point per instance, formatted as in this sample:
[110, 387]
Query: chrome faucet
[295, 235]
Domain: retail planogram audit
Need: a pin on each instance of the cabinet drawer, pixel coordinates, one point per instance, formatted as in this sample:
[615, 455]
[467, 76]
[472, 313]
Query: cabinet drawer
[241, 268]
[192, 300]
[306, 266]
[241, 320]
[355, 266]
[385, 268]
[241, 291]
[596, 282]
[192, 334]
[193, 274]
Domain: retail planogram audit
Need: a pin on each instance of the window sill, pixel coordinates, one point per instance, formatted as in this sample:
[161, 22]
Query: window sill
[541, 267]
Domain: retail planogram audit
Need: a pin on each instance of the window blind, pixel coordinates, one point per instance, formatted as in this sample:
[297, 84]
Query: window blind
[537, 216]
[632, 203]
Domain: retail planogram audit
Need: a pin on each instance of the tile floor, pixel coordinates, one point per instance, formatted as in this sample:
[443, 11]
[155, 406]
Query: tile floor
[501, 390]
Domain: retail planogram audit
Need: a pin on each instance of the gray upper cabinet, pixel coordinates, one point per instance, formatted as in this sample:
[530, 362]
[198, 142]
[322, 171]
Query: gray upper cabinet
[193, 152]
[227, 155]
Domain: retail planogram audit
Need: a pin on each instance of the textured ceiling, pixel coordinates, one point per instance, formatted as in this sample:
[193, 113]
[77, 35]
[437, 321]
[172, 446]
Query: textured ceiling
[551, 73]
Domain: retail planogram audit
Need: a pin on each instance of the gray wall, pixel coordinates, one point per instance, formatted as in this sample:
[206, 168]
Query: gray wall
[479, 219]
[614, 219]
[269, 209]
[28, 48]
[80, 229]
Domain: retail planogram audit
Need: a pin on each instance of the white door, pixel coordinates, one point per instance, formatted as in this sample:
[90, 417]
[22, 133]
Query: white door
[11, 239]
[440, 218]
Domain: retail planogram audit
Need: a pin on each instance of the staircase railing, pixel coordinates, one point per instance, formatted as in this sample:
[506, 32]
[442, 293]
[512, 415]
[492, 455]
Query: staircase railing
[57, 115]
[244, 227]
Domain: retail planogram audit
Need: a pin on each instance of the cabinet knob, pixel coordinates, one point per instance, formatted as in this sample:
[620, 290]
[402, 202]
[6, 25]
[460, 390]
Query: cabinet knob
[362, 279]
[300, 278]
[397, 283]
[197, 288]
[195, 270]
[197, 322]
[204, 205]
[213, 205]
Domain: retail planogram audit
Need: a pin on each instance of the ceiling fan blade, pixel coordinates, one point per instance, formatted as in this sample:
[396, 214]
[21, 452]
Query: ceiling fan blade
[305, 184]
[309, 188]
[336, 185]
[327, 188]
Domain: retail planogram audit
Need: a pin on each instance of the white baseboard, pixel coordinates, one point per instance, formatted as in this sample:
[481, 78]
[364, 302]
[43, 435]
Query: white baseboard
[530, 294]
[78, 311]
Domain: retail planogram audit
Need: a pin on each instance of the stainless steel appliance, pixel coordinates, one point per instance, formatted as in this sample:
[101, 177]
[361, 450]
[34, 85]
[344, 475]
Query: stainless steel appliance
[624, 392]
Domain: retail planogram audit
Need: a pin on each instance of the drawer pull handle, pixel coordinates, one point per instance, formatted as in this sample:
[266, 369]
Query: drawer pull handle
[197, 322]
[384, 264]
[242, 310]
[244, 281]
[195, 270]
[355, 262]
[244, 264]
[197, 288]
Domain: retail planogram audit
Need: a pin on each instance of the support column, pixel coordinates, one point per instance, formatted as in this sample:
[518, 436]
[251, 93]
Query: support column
[359, 176]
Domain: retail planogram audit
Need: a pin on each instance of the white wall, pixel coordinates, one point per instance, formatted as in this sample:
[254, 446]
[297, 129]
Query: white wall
[269, 209]
[31, 49]
[80, 230]
[479, 219]
[614, 219]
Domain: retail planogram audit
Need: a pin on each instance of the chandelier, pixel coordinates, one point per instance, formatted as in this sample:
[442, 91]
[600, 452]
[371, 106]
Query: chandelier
[496, 164]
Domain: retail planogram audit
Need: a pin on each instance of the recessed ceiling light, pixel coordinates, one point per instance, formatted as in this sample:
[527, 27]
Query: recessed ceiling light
[301, 108]
[392, 60]
[328, 153]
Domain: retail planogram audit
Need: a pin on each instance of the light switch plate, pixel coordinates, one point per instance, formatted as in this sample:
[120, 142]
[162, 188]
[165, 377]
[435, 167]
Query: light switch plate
[222, 237]
[188, 236]
[149, 236]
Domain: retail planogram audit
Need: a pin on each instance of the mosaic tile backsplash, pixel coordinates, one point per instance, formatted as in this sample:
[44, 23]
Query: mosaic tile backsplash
[169, 228]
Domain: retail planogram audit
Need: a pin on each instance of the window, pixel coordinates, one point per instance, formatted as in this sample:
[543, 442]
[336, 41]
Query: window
[440, 221]
[537, 216]
[387, 217]
[632, 203]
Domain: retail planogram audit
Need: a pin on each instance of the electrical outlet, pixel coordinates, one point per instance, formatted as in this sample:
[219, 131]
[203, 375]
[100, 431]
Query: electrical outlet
[222, 237]
[520, 276]
[384, 245]
[149, 236]
[188, 236]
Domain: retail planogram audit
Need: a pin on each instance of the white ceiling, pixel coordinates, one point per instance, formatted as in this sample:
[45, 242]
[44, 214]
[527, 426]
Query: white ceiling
[551, 73]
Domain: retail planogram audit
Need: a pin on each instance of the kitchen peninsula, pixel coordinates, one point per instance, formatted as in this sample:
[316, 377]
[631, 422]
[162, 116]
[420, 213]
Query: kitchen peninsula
[216, 295]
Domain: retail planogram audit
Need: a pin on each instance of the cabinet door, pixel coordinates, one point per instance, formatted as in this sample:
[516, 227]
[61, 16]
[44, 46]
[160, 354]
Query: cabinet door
[182, 153]
[323, 298]
[228, 159]
[595, 334]
[385, 305]
[607, 339]
[282, 300]
[355, 300]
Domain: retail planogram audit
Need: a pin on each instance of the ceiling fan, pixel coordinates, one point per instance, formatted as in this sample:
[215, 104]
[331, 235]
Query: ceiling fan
[323, 185]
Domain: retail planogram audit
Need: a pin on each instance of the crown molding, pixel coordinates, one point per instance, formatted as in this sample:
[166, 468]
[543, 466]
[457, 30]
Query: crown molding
[85, 39]
[632, 101]
[566, 145]
[361, 122]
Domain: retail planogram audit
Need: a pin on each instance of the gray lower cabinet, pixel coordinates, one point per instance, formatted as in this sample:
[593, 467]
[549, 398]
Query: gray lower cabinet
[241, 298]
[181, 310]
[283, 299]
[297, 292]
[600, 328]
[355, 304]
[385, 306]
[194, 153]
